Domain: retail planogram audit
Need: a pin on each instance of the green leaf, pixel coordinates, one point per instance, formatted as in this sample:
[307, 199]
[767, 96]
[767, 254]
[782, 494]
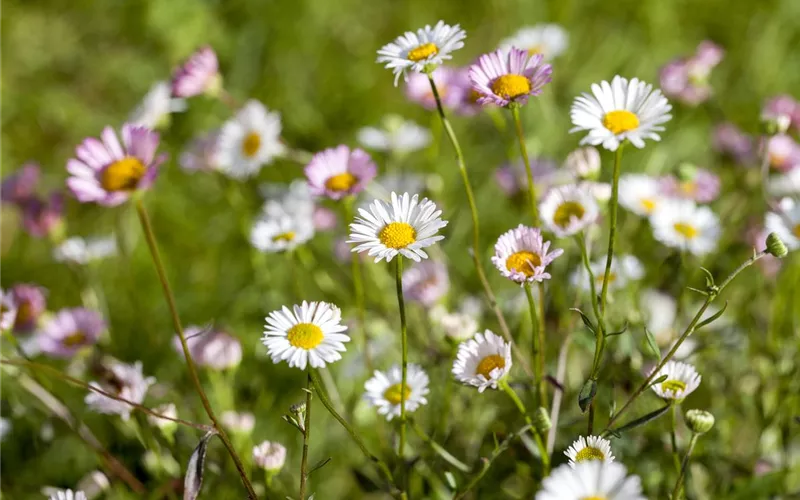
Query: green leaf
[451, 479]
[624, 329]
[709, 277]
[587, 394]
[660, 379]
[713, 318]
[586, 320]
[652, 345]
[458, 464]
[322, 463]
[643, 420]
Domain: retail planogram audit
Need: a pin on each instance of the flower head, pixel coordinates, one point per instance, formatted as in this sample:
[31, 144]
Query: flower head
[68, 495]
[786, 224]
[619, 111]
[124, 381]
[592, 480]
[43, 216]
[641, 194]
[521, 255]
[20, 185]
[8, 310]
[201, 153]
[168, 410]
[686, 79]
[416, 51]
[682, 379]
[549, 40]
[30, 302]
[156, 106]
[505, 78]
[446, 79]
[249, 140]
[280, 233]
[395, 136]
[584, 162]
[782, 108]
[458, 325]
[210, 347]
[198, 75]
[783, 152]
[624, 269]
[385, 390]
[107, 173]
[77, 250]
[729, 140]
[589, 448]
[309, 333]
[241, 423]
[405, 226]
[682, 224]
[69, 331]
[569, 209]
[482, 361]
[426, 282]
[699, 421]
[692, 183]
[269, 456]
[339, 172]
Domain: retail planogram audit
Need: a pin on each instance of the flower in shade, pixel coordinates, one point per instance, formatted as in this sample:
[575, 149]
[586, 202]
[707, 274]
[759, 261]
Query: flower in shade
[682, 379]
[686, 79]
[521, 255]
[482, 361]
[123, 381]
[201, 153]
[68, 495]
[729, 140]
[416, 51]
[69, 331]
[549, 40]
[584, 162]
[682, 224]
[43, 216]
[310, 333]
[249, 140]
[199, 74]
[8, 310]
[782, 109]
[569, 209]
[20, 185]
[513, 180]
[619, 111]
[240, 423]
[458, 325]
[339, 172]
[385, 390]
[269, 456]
[504, 78]
[107, 173]
[77, 250]
[641, 194]
[783, 152]
[785, 222]
[624, 269]
[210, 347]
[156, 106]
[593, 480]
[692, 183]
[426, 282]
[31, 303]
[280, 233]
[589, 448]
[405, 226]
[395, 136]
[418, 88]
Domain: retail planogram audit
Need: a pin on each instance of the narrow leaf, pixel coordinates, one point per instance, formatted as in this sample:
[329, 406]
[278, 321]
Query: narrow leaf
[586, 320]
[624, 329]
[318, 465]
[643, 420]
[586, 395]
[709, 276]
[713, 318]
[193, 480]
[458, 464]
[652, 345]
[660, 379]
[451, 480]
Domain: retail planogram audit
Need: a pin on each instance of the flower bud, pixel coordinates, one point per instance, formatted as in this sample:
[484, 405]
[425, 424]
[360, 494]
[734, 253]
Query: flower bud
[541, 420]
[699, 421]
[269, 456]
[775, 246]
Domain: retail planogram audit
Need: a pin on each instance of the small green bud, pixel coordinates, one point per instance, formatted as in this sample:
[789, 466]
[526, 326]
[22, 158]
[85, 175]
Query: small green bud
[775, 246]
[541, 420]
[699, 421]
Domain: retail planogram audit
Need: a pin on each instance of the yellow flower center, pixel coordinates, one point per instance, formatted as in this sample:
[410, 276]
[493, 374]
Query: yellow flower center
[474, 95]
[74, 339]
[251, 144]
[620, 121]
[612, 277]
[397, 235]
[287, 237]
[676, 386]
[24, 314]
[796, 230]
[589, 453]
[687, 230]
[123, 175]
[511, 86]
[566, 211]
[488, 364]
[536, 49]
[395, 394]
[305, 335]
[594, 497]
[688, 187]
[341, 182]
[523, 262]
[648, 205]
[423, 52]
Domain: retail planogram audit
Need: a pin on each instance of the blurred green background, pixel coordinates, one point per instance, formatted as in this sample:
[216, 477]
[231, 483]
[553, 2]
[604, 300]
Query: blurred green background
[70, 68]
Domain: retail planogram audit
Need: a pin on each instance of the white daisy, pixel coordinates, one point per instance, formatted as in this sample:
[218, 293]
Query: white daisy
[567, 210]
[404, 227]
[482, 361]
[240, 423]
[414, 51]
[640, 193]
[584, 163]
[426, 282]
[682, 224]
[521, 255]
[786, 223]
[280, 233]
[458, 325]
[624, 269]
[68, 495]
[682, 379]
[785, 184]
[586, 449]
[296, 201]
[620, 111]
[76, 250]
[550, 40]
[593, 480]
[157, 105]
[124, 381]
[269, 456]
[385, 390]
[249, 140]
[395, 135]
[311, 333]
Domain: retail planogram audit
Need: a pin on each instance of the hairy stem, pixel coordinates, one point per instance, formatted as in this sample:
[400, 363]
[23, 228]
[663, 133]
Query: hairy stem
[526, 165]
[612, 232]
[542, 325]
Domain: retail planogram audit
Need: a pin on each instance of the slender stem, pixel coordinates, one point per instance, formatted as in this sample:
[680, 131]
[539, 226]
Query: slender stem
[404, 346]
[673, 438]
[526, 165]
[446, 455]
[306, 438]
[537, 367]
[684, 466]
[600, 333]
[542, 349]
[521, 407]
[162, 276]
[358, 288]
[558, 395]
[612, 233]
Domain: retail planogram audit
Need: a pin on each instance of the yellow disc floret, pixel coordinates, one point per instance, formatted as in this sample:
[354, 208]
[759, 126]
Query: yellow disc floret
[305, 335]
[341, 182]
[424, 51]
[648, 205]
[397, 235]
[589, 453]
[123, 175]
[288, 237]
[687, 230]
[488, 364]
[523, 262]
[74, 339]
[511, 86]
[620, 121]
[676, 386]
[395, 394]
[566, 211]
[251, 144]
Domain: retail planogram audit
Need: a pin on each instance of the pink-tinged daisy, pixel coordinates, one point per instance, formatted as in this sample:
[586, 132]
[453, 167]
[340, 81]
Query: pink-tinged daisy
[41, 217]
[8, 310]
[124, 381]
[198, 75]
[521, 255]
[505, 78]
[569, 209]
[783, 152]
[210, 348]
[727, 139]
[418, 88]
[107, 173]
[21, 184]
[426, 282]
[339, 172]
[69, 331]
[31, 303]
[692, 183]
[686, 79]
[201, 153]
[483, 361]
[423, 49]
[782, 109]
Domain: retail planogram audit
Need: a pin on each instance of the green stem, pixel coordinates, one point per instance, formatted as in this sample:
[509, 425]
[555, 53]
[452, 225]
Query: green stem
[306, 438]
[542, 350]
[612, 233]
[176, 322]
[521, 407]
[684, 466]
[526, 164]
[404, 346]
[600, 333]
[535, 347]
[358, 288]
[673, 439]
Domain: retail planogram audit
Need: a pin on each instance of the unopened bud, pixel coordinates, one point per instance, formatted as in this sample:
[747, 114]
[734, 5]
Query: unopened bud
[699, 421]
[541, 420]
[775, 246]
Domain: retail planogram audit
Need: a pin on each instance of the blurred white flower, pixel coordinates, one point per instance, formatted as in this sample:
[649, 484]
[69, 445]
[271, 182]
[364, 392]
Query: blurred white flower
[124, 381]
[396, 135]
[567, 210]
[550, 40]
[591, 480]
[682, 379]
[269, 456]
[483, 361]
[240, 423]
[385, 391]
[77, 250]
[640, 193]
[249, 141]
[682, 224]
[157, 105]
[584, 162]
[168, 410]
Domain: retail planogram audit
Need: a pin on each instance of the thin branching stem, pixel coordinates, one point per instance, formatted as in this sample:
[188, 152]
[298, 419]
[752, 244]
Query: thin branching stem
[306, 438]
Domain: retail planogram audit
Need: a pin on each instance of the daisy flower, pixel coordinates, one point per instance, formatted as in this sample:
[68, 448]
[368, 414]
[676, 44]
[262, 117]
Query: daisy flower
[783, 152]
[682, 224]
[782, 108]
[786, 224]
[124, 381]
[69, 331]
[693, 183]
[43, 216]
[549, 40]
[395, 136]
[339, 172]
[418, 88]
[641, 194]
[8, 310]
[210, 347]
[591, 480]
[682, 379]
[310, 333]
[249, 140]
[405, 226]
[280, 233]
[569, 209]
[620, 111]
[414, 51]
[660, 311]
[786, 184]
[385, 390]
[31, 303]
[521, 255]
[68, 495]
[269, 456]
[459, 325]
[727, 139]
[589, 448]
[482, 361]
[77, 250]
[505, 78]
[107, 173]
[240, 423]
[584, 162]
[426, 282]
[624, 269]
[296, 201]
[156, 106]
[198, 75]
[201, 153]
[21, 184]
